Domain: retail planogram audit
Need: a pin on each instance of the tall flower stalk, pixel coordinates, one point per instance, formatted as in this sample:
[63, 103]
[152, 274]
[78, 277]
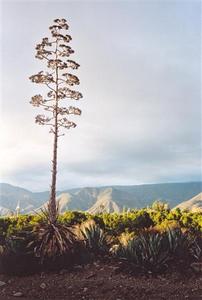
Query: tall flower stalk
[55, 51]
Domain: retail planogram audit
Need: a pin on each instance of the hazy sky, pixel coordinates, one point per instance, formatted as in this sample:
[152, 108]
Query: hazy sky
[141, 80]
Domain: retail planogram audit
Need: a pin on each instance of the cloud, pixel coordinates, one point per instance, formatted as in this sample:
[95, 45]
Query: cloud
[140, 77]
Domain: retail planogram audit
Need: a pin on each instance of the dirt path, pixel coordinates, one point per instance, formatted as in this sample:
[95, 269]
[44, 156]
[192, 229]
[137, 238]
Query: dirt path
[101, 281]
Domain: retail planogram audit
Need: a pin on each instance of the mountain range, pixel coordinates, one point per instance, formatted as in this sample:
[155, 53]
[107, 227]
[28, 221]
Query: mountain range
[96, 199]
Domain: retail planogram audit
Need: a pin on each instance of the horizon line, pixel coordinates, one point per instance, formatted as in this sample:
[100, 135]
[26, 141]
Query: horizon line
[105, 186]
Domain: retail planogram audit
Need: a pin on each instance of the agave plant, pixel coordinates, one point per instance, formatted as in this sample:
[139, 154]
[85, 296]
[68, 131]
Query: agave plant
[196, 251]
[153, 255]
[16, 244]
[145, 250]
[125, 237]
[51, 240]
[183, 245]
[93, 236]
[128, 250]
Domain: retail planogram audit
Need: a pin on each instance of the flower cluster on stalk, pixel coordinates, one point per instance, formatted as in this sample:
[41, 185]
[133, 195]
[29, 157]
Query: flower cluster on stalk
[41, 52]
[64, 122]
[71, 79]
[69, 111]
[42, 119]
[37, 100]
[56, 51]
[42, 77]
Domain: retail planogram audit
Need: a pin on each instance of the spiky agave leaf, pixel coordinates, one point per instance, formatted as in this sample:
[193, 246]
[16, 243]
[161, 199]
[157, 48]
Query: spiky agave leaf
[145, 250]
[183, 244]
[153, 254]
[2, 249]
[52, 240]
[93, 236]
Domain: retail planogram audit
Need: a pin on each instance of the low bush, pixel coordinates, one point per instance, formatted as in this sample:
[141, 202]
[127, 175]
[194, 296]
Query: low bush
[129, 221]
[149, 239]
[72, 218]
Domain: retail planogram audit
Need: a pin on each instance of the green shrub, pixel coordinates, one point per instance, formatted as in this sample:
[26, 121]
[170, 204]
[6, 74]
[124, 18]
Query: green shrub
[10, 226]
[150, 239]
[72, 218]
[160, 206]
[167, 224]
[129, 221]
[113, 223]
[191, 221]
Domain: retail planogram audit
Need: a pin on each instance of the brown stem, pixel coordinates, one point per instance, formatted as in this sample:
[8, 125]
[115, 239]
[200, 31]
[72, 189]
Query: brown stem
[52, 201]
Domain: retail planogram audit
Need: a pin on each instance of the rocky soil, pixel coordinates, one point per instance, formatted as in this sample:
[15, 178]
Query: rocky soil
[102, 280]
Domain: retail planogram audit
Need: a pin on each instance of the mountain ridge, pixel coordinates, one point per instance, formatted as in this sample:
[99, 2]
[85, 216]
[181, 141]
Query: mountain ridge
[118, 196]
[193, 204]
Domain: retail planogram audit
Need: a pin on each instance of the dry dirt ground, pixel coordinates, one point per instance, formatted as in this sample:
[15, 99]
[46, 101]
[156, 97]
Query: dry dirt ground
[102, 281]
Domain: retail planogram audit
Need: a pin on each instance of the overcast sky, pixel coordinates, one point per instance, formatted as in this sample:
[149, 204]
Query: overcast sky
[140, 78]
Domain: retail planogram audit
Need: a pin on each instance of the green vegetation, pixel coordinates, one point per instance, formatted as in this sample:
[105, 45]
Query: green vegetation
[147, 250]
[154, 251]
[149, 239]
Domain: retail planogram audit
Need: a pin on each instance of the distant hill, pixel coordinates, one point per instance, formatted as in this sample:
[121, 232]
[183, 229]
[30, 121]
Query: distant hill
[4, 211]
[92, 198]
[193, 204]
[106, 202]
[63, 201]
[11, 195]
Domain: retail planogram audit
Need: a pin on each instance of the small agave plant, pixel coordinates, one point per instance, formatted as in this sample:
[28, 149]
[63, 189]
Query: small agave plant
[183, 245]
[95, 239]
[145, 251]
